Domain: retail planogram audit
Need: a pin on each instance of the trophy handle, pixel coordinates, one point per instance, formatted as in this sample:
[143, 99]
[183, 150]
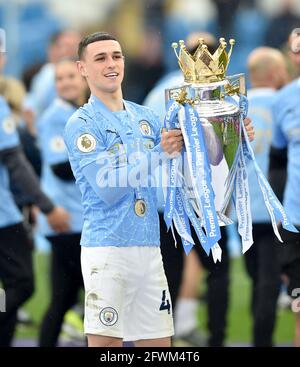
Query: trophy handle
[237, 84]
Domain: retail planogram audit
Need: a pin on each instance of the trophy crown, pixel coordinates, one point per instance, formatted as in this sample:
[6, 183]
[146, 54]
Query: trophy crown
[202, 66]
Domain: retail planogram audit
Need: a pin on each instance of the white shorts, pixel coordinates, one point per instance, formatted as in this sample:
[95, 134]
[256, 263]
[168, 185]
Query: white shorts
[126, 293]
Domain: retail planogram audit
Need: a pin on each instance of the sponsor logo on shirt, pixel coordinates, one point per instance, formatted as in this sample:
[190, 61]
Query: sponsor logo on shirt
[9, 125]
[57, 144]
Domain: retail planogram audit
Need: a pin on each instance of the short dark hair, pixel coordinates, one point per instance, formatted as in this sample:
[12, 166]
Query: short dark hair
[91, 38]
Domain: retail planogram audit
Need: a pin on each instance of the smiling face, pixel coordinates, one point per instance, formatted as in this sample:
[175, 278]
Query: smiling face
[69, 83]
[103, 66]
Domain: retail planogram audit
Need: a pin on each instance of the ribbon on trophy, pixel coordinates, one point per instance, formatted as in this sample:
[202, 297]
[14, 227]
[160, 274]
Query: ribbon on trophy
[241, 194]
[175, 202]
[179, 207]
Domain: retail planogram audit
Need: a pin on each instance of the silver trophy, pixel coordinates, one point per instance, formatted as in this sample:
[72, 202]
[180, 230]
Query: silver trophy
[206, 87]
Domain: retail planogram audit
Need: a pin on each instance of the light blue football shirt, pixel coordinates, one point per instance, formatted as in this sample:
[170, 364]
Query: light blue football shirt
[97, 154]
[286, 112]
[260, 111]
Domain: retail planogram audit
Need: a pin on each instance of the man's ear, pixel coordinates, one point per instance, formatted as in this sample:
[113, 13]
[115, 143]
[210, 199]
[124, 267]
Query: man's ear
[81, 68]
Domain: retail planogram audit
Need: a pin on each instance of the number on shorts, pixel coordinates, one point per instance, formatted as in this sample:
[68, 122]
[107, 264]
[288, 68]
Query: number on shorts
[165, 304]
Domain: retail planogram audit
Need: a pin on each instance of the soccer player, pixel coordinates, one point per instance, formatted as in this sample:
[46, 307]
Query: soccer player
[127, 296]
[59, 183]
[16, 273]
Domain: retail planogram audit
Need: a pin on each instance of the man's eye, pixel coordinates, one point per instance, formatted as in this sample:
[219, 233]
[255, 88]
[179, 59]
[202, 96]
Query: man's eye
[100, 59]
[117, 57]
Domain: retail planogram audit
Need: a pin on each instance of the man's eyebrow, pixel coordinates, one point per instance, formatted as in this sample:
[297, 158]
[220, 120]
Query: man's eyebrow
[105, 53]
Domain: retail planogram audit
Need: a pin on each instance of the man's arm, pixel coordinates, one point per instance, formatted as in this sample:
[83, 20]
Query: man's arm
[112, 182]
[131, 175]
[278, 170]
[63, 171]
[22, 174]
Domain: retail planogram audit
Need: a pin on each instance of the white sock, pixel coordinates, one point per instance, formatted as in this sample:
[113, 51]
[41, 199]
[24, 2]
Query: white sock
[185, 318]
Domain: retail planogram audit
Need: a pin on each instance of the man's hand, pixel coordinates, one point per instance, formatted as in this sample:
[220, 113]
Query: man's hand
[172, 142]
[249, 128]
[59, 219]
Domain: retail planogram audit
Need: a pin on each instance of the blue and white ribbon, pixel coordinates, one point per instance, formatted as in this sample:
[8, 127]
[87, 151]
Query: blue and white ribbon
[178, 206]
[174, 208]
[172, 110]
[273, 205]
[200, 173]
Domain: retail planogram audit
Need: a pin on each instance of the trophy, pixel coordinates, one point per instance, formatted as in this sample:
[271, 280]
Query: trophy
[209, 108]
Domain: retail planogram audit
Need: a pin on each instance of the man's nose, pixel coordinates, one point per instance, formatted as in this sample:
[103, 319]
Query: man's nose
[111, 62]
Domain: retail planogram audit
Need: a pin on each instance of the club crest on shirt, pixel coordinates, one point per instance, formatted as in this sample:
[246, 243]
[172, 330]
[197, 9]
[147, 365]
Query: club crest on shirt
[57, 144]
[145, 127]
[9, 125]
[108, 316]
[86, 143]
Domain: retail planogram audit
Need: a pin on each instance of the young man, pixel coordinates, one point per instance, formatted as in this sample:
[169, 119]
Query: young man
[127, 295]
[58, 182]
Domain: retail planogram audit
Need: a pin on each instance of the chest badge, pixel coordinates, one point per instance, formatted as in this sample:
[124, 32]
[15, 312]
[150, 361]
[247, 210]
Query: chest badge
[9, 125]
[86, 143]
[57, 144]
[145, 127]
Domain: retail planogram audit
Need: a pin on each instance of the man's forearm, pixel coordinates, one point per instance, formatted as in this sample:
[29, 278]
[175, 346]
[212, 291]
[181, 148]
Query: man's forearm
[63, 171]
[278, 170]
[111, 184]
[22, 175]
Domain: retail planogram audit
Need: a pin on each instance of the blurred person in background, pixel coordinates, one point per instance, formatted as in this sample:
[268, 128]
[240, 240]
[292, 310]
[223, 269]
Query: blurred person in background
[42, 92]
[11, 89]
[145, 69]
[226, 12]
[59, 183]
[267, 74]
[62, 45]
[279, 26]
[184, 273]
[16, 271]
[14, 92]
[284, 156]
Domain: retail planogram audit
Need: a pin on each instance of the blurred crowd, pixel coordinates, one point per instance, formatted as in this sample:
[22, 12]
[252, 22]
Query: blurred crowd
[33, 78]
